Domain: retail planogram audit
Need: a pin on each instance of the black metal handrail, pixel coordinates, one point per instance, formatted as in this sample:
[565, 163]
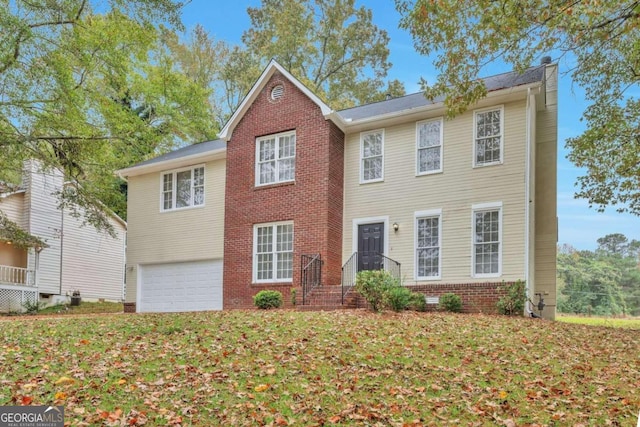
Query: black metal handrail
[350, 269]
[392, 266]
[311, 274]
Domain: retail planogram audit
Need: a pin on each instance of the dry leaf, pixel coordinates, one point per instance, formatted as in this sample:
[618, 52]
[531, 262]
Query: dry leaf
[64, 380]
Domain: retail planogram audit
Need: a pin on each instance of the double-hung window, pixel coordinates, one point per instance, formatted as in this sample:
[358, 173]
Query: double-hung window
[371, 156]
[488, 137]
[428, 242]
[182, 188]
[487, 243]
[429, 146]
[273, 252]
[276, 158]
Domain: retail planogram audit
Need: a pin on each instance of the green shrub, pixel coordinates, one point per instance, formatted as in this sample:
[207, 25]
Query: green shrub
[373, 285]
[417, 302]
[33, 307]
[512, 304]
[397, 298]
[267, 299]
[450, 302]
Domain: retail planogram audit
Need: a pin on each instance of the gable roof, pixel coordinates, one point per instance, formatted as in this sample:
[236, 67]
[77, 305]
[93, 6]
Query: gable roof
[197, 152]
[344, 119]
[269, 71]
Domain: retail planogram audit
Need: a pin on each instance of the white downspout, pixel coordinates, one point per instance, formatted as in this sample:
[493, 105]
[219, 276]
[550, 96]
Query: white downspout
[527, 174]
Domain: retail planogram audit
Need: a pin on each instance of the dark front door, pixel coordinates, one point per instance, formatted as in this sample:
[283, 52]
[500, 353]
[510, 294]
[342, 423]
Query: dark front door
[370, 246]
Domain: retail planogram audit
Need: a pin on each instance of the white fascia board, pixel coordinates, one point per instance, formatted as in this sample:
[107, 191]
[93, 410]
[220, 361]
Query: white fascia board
[9, 194]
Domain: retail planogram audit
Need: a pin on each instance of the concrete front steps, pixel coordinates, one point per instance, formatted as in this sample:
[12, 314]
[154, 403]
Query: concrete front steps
[326, 298]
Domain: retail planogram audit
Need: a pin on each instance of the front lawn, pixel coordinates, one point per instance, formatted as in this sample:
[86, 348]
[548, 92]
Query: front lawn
[317, 368]
[612, 322]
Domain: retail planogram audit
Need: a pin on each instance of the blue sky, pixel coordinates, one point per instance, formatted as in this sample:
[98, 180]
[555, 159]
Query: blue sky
[579, 225]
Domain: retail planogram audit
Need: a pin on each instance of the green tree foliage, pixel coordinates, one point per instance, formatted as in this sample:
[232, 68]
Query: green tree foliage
[89, 92]
[604, 282]
[600, 38]
[332, 46]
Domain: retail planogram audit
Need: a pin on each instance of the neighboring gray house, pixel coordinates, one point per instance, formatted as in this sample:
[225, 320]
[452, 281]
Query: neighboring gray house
[77, 257]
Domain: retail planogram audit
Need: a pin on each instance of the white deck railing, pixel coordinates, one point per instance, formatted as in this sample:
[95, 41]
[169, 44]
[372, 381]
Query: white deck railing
[17, 276]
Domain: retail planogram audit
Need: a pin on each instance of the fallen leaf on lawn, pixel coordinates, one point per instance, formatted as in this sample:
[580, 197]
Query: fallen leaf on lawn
[65, 380]
[122, 381]
[261, 387]
[60, 395]
[503, 394]
[26, 400]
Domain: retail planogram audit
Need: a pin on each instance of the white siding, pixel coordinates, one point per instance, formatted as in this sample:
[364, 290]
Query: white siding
[93, 261]
[156, 237]
[78, 257]
[455, 190]
[45, 221]
[12, 206]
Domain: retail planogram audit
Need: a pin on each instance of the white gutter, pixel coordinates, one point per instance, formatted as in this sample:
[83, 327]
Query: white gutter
[438, 105]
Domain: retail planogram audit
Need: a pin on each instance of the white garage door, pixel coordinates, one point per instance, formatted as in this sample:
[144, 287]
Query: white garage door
[184, 286]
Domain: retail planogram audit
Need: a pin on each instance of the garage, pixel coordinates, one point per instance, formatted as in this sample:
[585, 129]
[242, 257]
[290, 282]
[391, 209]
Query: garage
[184, 286]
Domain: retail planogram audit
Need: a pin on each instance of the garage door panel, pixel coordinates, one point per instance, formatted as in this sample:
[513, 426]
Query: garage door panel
[187, 286]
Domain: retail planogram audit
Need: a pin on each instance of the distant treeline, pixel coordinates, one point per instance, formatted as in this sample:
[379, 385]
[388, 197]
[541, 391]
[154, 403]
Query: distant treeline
[601, 282]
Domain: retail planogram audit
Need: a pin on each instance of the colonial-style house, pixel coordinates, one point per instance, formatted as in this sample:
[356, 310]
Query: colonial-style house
[295, 195]
[60, 255]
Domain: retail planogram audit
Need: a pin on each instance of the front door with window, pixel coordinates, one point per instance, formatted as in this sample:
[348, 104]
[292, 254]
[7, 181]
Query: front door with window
[370, 246]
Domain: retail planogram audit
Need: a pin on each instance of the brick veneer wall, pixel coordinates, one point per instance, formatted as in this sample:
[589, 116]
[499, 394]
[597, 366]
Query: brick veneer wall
[313, 201]
[476, 297]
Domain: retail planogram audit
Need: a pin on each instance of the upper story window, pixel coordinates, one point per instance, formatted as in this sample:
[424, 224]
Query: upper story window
[182, 188]
[488, 137]
[372, 156]
[487, 240]
[276, 158]
[429, 146]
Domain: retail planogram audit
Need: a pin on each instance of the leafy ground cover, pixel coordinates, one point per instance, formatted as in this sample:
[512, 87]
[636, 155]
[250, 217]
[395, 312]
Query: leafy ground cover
[613, 322]
[85, 307]
[321, 368]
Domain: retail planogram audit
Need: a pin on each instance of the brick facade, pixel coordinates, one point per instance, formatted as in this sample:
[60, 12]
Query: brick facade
[313, 201]
[476, 297]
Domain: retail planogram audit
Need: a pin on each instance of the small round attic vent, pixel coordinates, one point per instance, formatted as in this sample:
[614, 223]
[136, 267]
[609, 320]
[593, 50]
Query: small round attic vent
[277, 92]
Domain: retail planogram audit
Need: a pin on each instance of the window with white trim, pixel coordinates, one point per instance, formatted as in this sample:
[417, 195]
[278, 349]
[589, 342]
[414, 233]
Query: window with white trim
[428, 241]
[182, 188]
[429, 146]
[273, 252]
[371, 156]
[276, 158]
[488, 136]
[487, 244]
